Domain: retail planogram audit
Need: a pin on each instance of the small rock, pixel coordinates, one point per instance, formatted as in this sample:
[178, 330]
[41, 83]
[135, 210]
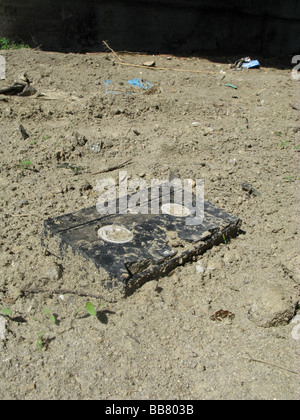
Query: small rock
[208, 130]
[199, 269]
[149, 63]
[240, 201]
[55, 272]
[96, 147]
[274, 306]
[31, 387]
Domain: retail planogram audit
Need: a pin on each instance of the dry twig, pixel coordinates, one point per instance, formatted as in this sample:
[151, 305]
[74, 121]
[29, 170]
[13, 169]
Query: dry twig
[251, 359]
[113, 168]
[156, 68]
[111, 50]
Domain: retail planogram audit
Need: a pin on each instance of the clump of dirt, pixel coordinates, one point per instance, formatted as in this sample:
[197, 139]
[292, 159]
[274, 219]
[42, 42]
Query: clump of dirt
[162, 341]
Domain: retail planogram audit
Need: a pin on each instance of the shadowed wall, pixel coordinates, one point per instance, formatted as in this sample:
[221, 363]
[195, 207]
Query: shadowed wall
[159, 26]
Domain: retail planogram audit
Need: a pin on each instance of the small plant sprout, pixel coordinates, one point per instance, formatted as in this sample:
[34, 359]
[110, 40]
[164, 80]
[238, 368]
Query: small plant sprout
[52, 317]
[25, 164]
[90, 309]
[39, 341]
[291, 178]
[284, 143]
[5, 312]
[224, 239]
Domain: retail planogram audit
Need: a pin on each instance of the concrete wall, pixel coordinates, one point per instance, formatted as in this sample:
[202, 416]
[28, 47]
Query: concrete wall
[167, 26]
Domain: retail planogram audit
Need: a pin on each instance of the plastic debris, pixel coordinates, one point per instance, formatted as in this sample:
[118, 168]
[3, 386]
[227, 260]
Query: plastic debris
[232, 86]
[107, 83]
[140, 83]
[239, 63]
[130, 249]
[251, 65]
[245, 63]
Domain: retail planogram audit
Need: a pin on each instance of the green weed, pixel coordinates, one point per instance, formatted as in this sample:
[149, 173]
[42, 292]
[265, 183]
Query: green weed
[45, 138]
[39, 341]
[89, 308]
[25, 164]
[5, 312]
[284, 143]
[6, 44]
[52, 318]
[291, 178]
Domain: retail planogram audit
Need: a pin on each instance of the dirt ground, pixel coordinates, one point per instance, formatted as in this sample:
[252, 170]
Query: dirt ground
[162, 342]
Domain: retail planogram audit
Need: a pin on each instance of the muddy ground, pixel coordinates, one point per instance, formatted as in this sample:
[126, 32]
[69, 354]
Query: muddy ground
[163, 342]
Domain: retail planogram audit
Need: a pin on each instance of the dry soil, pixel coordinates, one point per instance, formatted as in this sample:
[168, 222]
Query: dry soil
[164, 341]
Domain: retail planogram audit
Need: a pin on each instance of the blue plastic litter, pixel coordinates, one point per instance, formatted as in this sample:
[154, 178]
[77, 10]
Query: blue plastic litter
[141, 83]
[252, 64]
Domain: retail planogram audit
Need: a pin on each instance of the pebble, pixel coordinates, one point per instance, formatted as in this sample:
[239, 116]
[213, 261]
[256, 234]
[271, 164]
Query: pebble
[96, 147]
[199, 269]
[273, 307]
[55, 272]
[149, 63]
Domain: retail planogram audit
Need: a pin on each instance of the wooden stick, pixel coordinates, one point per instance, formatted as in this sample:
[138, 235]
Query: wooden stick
[169, 68]
[155, 68]
[23, 215]
[64, 292]
[37, 290]
[108, 47]
[251, 359]
[113, 168]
